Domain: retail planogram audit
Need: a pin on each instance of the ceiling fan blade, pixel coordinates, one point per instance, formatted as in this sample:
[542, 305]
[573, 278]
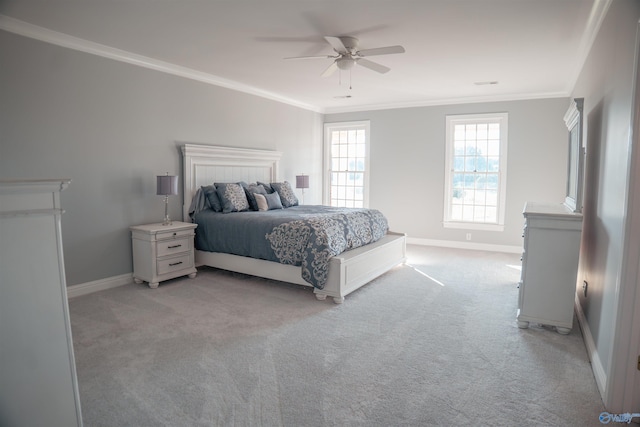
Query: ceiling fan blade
[311, 57]
[330, 70]
[381, 51]
[372, 65]
[336, 44]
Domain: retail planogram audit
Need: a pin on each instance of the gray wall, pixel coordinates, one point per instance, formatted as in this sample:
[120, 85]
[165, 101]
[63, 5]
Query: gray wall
[112, 127]
[606, 83]
[408, 155]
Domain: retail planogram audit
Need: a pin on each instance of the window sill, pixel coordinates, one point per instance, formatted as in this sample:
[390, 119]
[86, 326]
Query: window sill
[473, 226]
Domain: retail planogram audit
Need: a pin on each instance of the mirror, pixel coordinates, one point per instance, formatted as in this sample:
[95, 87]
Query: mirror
[573, 120]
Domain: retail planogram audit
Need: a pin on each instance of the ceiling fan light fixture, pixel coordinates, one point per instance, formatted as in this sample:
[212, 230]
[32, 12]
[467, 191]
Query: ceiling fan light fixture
[347, 54]
[345, 64]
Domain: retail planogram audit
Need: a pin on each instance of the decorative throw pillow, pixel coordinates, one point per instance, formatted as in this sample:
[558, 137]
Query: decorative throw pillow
[268, 201]
[252, 189]
[212, 196]
[287, 196]
[232, 197]
[273, 200]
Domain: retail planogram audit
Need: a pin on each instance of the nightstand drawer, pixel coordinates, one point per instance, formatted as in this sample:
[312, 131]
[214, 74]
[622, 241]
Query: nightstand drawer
[174, 234]
[173, 246]
[174, 264]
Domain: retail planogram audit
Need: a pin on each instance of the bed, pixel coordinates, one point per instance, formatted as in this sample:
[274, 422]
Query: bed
[345, 271]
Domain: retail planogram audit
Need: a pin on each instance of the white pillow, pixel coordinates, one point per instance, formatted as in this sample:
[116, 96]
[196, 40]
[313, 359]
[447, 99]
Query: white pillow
[261, 201]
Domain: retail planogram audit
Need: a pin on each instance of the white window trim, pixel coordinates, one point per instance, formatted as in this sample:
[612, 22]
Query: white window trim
[451, 121]
[328, 128]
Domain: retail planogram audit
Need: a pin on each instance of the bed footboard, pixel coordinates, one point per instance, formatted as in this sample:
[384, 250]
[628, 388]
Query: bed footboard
[357, 267]
[347, 271]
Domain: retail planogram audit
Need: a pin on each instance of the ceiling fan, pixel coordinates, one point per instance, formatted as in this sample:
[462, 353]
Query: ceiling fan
[347, 55]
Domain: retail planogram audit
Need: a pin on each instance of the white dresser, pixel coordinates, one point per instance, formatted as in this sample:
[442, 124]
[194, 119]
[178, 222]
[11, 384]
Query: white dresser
[38, 385]
[552, 235]
[162, 252]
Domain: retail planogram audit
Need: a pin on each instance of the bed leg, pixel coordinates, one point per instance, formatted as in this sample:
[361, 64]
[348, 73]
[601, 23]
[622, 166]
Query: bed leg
[322, 297]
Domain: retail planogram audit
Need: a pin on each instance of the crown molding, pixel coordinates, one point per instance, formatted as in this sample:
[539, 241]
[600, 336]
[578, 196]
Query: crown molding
[36, 32]
[446, 101]
[597, 15]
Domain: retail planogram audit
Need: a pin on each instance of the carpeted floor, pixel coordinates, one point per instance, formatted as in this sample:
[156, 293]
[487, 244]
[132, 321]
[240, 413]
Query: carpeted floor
[431, 343]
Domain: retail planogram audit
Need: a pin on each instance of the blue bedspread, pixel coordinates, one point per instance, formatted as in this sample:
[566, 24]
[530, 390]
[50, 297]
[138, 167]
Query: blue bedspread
[305, 236]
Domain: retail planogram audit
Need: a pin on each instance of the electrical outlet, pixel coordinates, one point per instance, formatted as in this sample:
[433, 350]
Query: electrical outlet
[468, 236]
[585, 286]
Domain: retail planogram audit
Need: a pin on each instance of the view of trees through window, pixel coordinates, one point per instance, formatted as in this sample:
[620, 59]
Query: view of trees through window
[348, 167]
[476, 171]
[476, 168]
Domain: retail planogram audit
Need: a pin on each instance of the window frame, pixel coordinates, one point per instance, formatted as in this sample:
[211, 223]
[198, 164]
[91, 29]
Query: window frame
[480, 118]
[340, 126]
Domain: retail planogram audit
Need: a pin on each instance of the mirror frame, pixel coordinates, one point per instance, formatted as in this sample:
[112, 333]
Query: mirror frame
[575, 161]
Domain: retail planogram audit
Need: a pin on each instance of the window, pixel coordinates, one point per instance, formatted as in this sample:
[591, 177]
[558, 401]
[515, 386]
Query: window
[475, 173]
[347, 164]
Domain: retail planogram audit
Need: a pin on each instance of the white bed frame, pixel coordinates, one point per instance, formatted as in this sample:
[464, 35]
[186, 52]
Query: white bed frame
[204, 164]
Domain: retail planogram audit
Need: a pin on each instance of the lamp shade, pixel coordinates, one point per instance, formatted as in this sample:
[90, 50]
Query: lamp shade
[167, 185]
[302, 181]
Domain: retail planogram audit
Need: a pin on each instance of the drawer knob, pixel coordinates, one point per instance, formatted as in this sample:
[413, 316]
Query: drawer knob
[174, 246]
[175, 263]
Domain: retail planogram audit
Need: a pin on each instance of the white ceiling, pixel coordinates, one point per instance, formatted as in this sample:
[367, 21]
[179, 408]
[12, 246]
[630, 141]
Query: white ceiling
[533, 48]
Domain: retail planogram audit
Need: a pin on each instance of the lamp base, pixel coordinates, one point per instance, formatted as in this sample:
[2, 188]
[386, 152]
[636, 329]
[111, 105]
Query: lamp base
[167, 220]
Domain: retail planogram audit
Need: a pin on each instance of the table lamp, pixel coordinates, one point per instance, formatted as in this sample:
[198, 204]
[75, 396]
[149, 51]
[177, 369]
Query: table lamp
[302, 181]
[167, 186]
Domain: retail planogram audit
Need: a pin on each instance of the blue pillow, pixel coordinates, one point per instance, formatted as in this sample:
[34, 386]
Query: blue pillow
[273, 200]
[212, 196]
[267, 187]
[232, 197]
[287, 196]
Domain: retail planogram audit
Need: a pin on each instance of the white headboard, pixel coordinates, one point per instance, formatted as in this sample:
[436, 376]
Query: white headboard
[206, 164]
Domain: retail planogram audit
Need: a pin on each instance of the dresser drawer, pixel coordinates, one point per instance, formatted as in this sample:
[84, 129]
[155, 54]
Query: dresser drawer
[175, 264]
[173, 246]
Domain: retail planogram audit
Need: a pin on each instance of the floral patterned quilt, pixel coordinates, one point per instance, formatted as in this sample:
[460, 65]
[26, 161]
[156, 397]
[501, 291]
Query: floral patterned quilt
[305, 236]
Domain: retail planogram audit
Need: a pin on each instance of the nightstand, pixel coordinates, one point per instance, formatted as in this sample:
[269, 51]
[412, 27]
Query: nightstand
[162, 252]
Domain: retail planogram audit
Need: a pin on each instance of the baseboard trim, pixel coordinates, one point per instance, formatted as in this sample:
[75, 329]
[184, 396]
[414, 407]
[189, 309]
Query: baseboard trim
[592, 351]
[125, 279]
[464, 245]
[99, 285]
